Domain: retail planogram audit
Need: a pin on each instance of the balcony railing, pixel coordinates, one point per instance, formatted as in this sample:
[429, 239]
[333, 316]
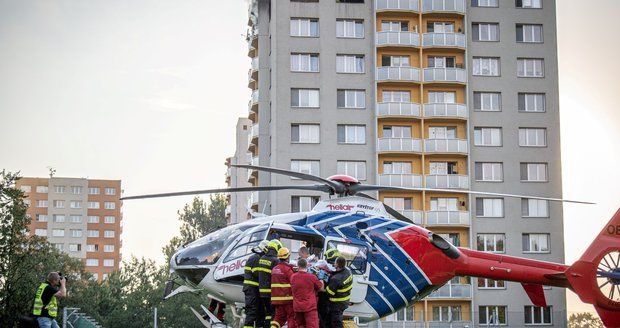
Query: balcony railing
[407, 39]
[254, 98]
[447, 218]
[456, 6]
[445, 146]
[398, 5]
[446, 110]
[227, 210]
[446, 74]
[447, 181]
[254, 64]
[403, 324]
[253, 134]
[254, 161]
[401, 180]
[403, 73]
[444, 40]
[451, 324]
[452, 291]
[399, 145]
[402, 109]
[253, 199]
[414, 216]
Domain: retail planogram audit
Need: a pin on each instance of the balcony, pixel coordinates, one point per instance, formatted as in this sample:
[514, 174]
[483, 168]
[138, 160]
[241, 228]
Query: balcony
[444, 40]
[452, 291]
[398, 39]
[443, 6]
[253, 37]
[253, 200]
[253, 74]
[253, 106]
[446, 110]
[401, 180]
[404, 74]
[446, 146]
[253, 135]
[414, 216]
[447, 181]
[399, 145]
[446, 74]
[227, 210]
[396, 5]
[398, 109]
[450, 324]
[458, 218]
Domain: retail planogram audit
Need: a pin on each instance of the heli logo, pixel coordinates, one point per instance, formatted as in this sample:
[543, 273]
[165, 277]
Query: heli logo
[340, 207]
[231, 267]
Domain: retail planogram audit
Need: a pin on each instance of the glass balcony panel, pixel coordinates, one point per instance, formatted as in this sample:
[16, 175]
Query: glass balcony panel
[406, 5]
[447, 218]
[401, 180]
[444, 40]
[445, 146]
[398, 39]
[446, 110]
[457, 6]
[452, 291]
[447, 181]
[399, 145]
[445, 74]
[398, 109]
[404, 73]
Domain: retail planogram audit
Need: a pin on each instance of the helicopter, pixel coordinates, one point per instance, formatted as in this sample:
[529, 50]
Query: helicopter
[394, 261]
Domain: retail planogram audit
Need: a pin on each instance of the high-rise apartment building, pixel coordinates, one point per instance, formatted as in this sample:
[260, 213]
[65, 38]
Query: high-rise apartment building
[81, 217]
[448, 94]
[237, 209]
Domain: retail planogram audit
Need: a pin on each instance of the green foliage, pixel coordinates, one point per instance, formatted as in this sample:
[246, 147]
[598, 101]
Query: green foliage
[584, 320]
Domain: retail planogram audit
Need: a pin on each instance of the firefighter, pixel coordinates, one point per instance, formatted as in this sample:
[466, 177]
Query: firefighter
[265, 265]
[281, 295]
[323, 303]
[339, 290]
[254, 311]
[304, 287]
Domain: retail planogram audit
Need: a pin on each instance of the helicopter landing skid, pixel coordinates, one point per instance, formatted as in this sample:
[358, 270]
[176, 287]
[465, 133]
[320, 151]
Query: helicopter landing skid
[208, 320]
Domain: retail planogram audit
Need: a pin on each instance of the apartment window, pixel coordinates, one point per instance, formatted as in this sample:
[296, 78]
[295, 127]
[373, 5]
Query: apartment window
[40, 232]
[108, 263]
[92, 248]
[486, 66]
[536, 243]
[442, 132]
[396, 96]
[93, 219]
[304, 62]
[93, 233]
[75, 247]
[350, 64]
[41, 218]
[491, 242]
[399, 203]
[356, 169]
[395, 61]
[108, 234]
[59, 204]
[492, 315]
[41, 189]
[534, 208]
[305, 98]
[75, 218]
[349, 28]
[529, 33]
[305, 133]
[42, 203]
[441, 62]
[303, 203]
[58, 246]
[108, 248]
[59, 218]
[395, 131]
[58, 232]
[440, 27]
[536, 315]
[349, 1]
[531, 102]
[532, 137]
[492, 172]
[485, 3]
[93, 191]
[92, 262]
[529, 4]
[488, 137]
[534, 172]
[351, 134]
[59, 189]
[110, 205]
[75, 204]
[446, 313]
[93, 205]
[490, 207]
[76, 233]
[351, 99]
[394, 26]
[397, 168]
[110, 191]
[487, 101]
[309, 167]
[304, 27]
[441, 97]
[109, 219]
[442, 168]
[485, 31]
[25, 188]
[76, 190]
[491, 284]
[530, 67]
[444, 204]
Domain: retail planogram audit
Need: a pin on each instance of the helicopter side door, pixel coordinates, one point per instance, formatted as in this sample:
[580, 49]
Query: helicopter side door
[231, 268]
[357, 262]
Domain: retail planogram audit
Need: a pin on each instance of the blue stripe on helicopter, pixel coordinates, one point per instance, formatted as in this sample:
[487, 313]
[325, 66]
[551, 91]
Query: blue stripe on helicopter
[388, 291]
[377, 302]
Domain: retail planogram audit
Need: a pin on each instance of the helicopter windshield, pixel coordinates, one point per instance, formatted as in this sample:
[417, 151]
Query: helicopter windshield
[209, 249]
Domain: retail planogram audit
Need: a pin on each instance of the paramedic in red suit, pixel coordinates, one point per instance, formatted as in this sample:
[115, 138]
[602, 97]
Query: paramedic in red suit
[281, 295]
[305, 286]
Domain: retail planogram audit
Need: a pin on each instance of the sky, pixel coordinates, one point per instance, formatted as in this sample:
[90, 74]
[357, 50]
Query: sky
[149, 92]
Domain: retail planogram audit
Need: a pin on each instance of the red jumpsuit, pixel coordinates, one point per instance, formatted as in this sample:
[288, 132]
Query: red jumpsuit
[281, 295]
[305, 286]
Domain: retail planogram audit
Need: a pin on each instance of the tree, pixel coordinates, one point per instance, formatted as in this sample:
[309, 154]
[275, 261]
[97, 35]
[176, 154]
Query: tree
[584, 320]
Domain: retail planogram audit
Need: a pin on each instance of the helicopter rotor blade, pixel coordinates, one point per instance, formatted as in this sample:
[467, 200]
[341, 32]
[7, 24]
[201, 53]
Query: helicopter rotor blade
[322, 188]
[357, 188]
[396, 214]
[336, 186]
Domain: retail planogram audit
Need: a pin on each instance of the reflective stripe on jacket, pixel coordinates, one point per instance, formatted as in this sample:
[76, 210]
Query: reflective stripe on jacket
[339, 286]
[281, 284]
[51, 307]
[265, 264]
[250, 274]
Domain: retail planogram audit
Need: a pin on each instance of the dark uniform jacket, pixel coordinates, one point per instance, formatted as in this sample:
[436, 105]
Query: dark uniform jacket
[265, 265]
[339, 286]
[250, 273]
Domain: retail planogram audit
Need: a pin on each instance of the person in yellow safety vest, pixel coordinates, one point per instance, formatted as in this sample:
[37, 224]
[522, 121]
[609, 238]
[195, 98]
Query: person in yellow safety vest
[265, 264]
[45, 307]
[323, 302]
[339, 290]
[254, 311]
[281, 294]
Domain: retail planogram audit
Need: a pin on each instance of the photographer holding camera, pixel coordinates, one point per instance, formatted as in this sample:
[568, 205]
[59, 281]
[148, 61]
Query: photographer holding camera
[46, 300]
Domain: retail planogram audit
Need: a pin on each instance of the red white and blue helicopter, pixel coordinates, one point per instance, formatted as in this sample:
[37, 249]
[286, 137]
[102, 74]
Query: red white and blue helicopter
[394, 261]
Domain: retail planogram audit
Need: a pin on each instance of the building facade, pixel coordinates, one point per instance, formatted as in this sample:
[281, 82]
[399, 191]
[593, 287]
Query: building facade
[81, 217]
[446, 94]
[238, 207]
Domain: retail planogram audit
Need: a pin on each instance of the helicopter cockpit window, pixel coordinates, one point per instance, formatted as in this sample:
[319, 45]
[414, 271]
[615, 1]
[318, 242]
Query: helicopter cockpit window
[209, 249]
[245, 245]
[356, 256]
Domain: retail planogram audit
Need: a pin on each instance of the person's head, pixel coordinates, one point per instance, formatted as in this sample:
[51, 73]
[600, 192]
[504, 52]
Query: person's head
[275, 245]
[340, 262]
[303, 252]
[302, 265]
[263, 246]
[331, 255]
[53, 278]
[284, 254]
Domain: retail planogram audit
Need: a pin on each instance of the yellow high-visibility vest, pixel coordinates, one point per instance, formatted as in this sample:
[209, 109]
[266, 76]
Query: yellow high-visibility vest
[52, 306]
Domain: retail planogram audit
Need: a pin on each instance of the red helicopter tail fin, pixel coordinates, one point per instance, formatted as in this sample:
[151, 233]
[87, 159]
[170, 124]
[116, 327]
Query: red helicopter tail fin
[595, 277]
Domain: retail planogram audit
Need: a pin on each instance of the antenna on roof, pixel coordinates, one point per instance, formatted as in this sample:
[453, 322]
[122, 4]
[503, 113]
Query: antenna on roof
[52, 171]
